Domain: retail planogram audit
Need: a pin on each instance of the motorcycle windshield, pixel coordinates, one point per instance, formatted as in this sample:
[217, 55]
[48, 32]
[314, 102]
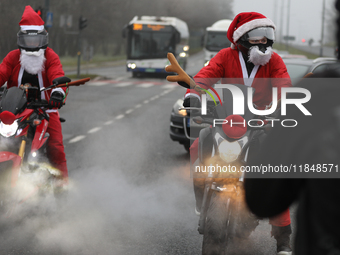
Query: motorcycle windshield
[13, 100]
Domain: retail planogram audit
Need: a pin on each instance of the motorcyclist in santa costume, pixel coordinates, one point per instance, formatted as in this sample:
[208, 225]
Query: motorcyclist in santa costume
[39, 65]
[250, 56]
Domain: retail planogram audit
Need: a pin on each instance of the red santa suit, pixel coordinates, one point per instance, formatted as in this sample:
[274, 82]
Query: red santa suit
[12, 71]
[229, 66]
[229, 63]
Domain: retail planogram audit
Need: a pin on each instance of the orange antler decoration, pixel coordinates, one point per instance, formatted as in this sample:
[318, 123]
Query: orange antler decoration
[182, 75]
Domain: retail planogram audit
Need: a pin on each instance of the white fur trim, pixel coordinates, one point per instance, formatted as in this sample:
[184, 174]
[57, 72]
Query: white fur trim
[31, 27]
[58, 90]
[51, 110]
[233, 46]
[248, 80]
[246, 27]
[192, 94]
[41, 85]
[21, 73]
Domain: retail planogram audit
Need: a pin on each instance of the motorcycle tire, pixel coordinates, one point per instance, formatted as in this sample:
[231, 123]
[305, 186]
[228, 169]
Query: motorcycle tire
[219, 224]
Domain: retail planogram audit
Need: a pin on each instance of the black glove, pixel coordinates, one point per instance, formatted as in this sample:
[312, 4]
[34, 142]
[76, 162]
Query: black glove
[184, 84]
[61, 80]
[56, 100]
[192, 101]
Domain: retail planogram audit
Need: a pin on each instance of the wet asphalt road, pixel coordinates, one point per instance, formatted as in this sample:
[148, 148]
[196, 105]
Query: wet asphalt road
[130, 188]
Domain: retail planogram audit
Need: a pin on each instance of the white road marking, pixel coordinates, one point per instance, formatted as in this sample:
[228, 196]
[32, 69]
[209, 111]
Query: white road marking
[97, 83]
[169, 86]
[154, 97]
[120, 117]
[145, 85]
[108, 122]
[121, 78]
[77, 139]
[123, 84]
[129, 111]
[93, 130]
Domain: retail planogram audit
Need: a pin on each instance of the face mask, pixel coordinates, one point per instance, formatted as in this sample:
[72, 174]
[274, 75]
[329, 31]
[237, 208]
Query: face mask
[262, 47]
[33, 53]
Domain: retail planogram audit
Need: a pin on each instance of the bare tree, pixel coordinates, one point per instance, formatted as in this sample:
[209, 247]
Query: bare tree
[106, 19]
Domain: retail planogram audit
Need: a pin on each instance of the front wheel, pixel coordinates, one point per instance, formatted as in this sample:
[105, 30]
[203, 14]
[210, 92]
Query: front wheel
[187, 147]
[218, 225]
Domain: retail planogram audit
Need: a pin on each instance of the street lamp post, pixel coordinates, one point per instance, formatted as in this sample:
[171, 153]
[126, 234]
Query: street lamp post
[288, 18]
[322, 28]
[281, 22]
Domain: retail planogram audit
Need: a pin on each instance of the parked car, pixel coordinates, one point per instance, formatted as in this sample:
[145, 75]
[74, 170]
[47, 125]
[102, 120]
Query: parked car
[294, 56]
[299, 67]
[182, 128]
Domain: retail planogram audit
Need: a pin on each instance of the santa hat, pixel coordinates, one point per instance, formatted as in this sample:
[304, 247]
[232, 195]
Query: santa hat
[244, 22]
[31, 20]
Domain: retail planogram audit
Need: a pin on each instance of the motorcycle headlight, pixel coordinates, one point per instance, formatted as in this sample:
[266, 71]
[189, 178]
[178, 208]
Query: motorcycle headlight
[8, 130]
[229, 151]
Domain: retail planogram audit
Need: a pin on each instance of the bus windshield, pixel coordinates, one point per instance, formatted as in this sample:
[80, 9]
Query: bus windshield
[151, 44]
[215, 41]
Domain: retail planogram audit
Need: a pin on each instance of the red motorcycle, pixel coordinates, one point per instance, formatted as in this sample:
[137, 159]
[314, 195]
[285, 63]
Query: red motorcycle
[25, 173]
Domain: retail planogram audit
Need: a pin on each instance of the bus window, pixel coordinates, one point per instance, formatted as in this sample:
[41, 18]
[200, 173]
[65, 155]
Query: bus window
[151, 44]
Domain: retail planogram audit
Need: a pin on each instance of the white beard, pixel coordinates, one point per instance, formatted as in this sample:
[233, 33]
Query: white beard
[257, 57]
[33, 61]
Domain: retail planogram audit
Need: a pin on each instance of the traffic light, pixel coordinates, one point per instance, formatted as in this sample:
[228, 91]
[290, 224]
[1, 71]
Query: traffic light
[82, 23]
[39, 11]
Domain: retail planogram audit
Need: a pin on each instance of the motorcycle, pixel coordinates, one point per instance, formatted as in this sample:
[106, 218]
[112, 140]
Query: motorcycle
[218, 179]
[25, 173]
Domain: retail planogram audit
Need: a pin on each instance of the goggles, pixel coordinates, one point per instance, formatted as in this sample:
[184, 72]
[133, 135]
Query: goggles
[258, 34]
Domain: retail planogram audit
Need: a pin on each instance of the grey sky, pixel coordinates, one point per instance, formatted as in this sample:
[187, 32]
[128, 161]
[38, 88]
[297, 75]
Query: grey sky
[305, 15]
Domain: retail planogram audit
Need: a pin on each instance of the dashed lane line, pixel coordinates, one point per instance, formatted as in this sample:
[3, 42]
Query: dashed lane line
[118, 117]
[77, 139]
[129, 111]
[108, 122]
[94, 130]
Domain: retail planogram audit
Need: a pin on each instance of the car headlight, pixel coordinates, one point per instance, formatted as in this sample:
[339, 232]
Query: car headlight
[182, 54]
[229, 151]
[186, 48]
[182, 112]
[8, 130]
[177, 108]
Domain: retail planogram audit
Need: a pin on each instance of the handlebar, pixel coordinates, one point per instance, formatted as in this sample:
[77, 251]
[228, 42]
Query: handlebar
[67, 84]
[38, 104]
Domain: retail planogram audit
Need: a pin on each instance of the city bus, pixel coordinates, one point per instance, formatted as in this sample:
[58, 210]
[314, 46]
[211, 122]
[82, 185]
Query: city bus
[150, 38]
